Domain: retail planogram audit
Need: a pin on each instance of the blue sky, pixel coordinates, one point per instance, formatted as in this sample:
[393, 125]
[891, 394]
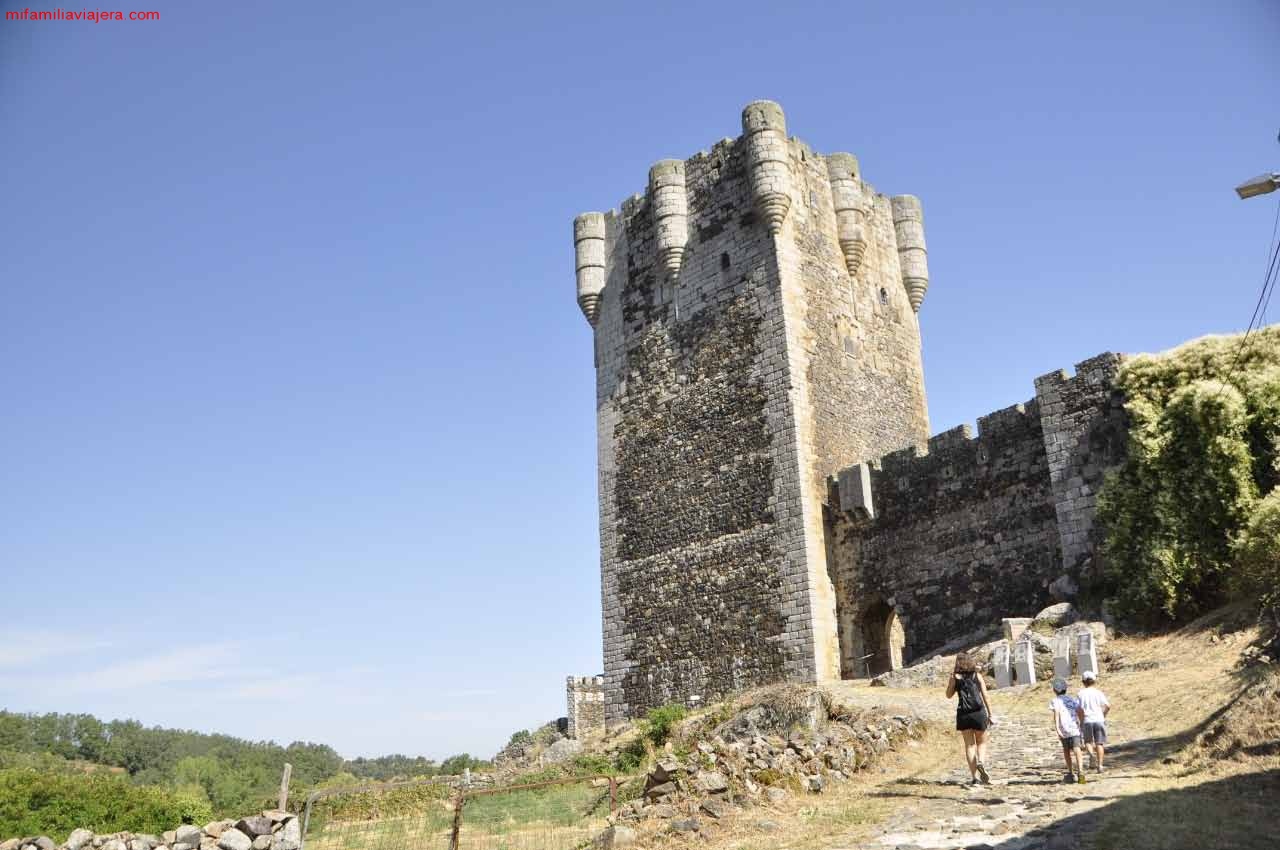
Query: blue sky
[299, 427]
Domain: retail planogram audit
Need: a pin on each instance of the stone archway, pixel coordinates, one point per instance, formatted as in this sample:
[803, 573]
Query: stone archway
[883, 638]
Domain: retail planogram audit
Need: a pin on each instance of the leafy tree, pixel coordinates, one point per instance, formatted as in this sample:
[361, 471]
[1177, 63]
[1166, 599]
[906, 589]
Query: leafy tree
[1203, 437]
[1257, 552]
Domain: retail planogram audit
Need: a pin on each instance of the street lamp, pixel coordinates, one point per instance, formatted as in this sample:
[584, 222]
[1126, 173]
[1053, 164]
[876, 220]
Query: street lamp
[1260, 185]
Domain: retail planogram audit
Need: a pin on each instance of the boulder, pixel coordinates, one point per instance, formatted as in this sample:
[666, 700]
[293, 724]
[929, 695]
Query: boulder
[662, 789]
[276, 815]
[614, 838]
[255, 826]
[290, 835]
[775, 795]
[1062, 614]
[115, 844]
[661, 810]
[11, 844]
[189, 835]
[234, 839]
[1063, 588]
[711, 782]
[182, 845]
[666, 770]
[815, 784]
[715, 808]
[561, 751]
[43, 842]
[262, 842]
[215, 829]
[76, 839]
[686, 825]
[169, 836]
[1099, 630]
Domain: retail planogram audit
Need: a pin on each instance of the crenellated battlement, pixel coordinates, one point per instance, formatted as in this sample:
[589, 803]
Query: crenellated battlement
[775, 166]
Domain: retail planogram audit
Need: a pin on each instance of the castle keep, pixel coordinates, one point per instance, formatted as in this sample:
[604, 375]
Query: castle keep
[757, 351]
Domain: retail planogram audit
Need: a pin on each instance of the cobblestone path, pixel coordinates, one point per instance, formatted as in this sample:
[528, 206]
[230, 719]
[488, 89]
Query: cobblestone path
[1027, 801]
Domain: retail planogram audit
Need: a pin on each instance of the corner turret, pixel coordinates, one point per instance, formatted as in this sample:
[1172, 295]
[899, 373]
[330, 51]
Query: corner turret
[588, 249]
[764, 128]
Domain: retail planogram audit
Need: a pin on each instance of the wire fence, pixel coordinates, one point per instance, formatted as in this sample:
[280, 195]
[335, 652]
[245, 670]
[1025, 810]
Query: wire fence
[561, 814]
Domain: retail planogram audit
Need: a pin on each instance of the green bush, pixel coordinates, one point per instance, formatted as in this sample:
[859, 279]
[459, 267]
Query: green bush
[593, 764]
[34, 803]
[659, 722]
[1257, 551]
[1203, 426]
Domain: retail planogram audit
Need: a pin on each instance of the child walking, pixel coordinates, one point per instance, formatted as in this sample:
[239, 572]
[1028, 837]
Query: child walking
[1065, 722]
[1093, 710]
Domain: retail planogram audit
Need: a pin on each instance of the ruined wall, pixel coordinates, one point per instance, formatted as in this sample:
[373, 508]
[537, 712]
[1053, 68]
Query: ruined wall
[740, 359]
[584, 697]
[977, 528]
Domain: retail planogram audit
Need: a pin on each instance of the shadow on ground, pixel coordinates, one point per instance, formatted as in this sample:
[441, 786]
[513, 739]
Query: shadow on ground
[1239, 812]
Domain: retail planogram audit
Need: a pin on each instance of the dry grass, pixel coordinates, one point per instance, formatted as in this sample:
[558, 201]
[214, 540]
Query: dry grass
[1237, 811]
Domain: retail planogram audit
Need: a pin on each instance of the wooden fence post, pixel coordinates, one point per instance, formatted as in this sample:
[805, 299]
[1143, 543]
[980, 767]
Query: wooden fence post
[457, 821]
[284, 786]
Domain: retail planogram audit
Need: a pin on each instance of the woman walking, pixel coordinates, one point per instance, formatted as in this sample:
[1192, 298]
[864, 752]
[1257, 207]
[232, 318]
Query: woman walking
[973, 714]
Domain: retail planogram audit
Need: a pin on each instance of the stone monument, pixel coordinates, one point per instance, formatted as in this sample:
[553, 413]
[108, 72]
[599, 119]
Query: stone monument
[1024, 661]
[1000, 660]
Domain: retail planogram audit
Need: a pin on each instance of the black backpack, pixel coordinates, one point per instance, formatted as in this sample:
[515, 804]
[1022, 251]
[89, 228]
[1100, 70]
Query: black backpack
[970, 693]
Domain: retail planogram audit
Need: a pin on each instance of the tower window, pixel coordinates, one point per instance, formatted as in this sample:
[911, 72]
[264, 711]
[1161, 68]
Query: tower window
[724, 261]
[884, 295]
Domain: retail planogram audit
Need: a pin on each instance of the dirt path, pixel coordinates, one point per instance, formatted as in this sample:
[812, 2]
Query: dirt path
[1027, 806]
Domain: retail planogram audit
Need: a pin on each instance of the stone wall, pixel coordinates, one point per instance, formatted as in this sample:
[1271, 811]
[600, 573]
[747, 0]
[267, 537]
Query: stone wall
[952, 539]
[753, 331]
[1084, 435]
[271, 830]
[585, 698]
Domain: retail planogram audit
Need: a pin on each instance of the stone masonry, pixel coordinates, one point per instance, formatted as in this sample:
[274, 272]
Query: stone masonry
[585, 698]
[976, 527]
[755, 321]
[772, 507]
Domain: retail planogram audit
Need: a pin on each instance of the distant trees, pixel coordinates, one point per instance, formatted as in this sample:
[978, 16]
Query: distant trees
[228, 775]
[392, 767]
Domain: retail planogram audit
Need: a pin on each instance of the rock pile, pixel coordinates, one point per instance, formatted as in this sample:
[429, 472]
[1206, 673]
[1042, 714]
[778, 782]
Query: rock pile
[271, 830]
[547, 745]
[742, 765]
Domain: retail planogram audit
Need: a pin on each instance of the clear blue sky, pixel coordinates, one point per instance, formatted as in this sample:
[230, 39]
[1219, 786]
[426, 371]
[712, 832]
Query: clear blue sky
[299, 426]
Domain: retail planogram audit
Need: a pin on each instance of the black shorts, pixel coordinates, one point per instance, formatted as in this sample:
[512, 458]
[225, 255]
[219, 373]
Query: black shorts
[976, 721]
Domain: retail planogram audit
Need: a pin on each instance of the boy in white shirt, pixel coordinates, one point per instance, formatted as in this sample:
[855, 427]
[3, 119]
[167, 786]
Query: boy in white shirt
[1065, 722]
[1092, 712]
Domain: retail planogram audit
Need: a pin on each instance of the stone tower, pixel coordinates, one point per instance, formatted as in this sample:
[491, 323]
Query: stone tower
[755, 321]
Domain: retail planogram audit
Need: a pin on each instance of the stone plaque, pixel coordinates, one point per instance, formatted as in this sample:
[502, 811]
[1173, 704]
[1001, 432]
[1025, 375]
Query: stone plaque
[1086, 656]
[1062, 655]
[1000, 660]
[1024, 662]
